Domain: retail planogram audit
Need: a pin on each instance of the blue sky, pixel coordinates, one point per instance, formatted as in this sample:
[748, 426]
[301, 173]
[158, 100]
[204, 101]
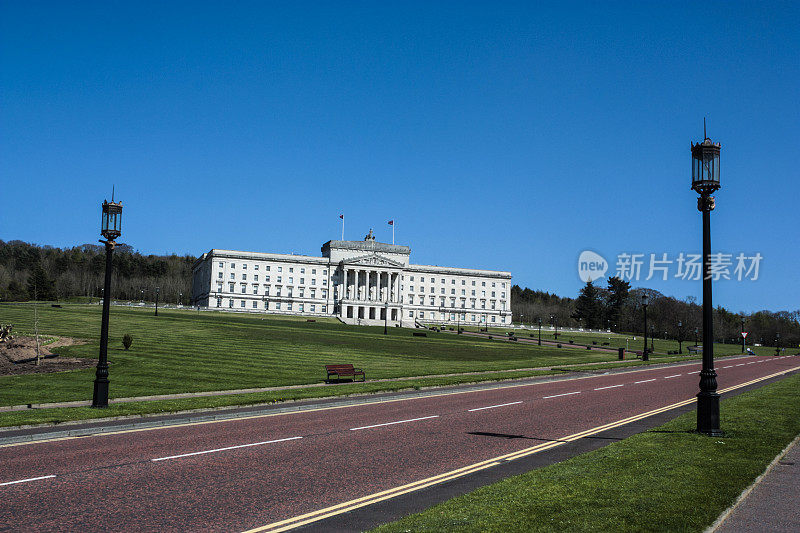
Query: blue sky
[507, 136]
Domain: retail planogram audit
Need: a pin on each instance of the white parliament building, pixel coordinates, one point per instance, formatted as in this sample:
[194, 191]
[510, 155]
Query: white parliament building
[358, 282]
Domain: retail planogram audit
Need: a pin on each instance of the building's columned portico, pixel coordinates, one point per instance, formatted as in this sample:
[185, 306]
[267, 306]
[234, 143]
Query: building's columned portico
[369, 287]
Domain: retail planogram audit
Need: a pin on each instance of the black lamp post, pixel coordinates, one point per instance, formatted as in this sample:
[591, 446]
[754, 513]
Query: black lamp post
[180, 299]
[110, 228]
[540, 331]
[645, 356]
[680, 337]
[157, 291]
[705, 181]
[777, 344]
[742, 334]
[652, 338]
[695, 337]
[385, 318]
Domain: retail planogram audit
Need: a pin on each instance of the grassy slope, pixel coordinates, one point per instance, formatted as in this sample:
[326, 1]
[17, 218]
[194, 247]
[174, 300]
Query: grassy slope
[666, 479]
[183, 351]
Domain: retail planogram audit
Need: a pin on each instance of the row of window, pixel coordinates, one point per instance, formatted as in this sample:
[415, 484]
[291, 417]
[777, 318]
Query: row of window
[278, 279]
[276, 306]
[278, 268]
[453, 291]
[452, 317]
[278, 290]
[453, 281]
[442, 300]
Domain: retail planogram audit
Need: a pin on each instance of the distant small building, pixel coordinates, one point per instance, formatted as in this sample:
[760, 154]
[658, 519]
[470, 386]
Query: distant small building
[355, 281]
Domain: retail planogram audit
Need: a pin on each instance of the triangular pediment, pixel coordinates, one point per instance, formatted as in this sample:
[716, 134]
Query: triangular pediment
[372, 260]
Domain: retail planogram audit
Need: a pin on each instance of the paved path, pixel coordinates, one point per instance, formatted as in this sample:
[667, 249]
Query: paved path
[774, 502]
[276, 469]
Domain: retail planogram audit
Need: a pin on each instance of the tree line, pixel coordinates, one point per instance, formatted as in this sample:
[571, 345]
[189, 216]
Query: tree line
[29, 271]
[618, 307]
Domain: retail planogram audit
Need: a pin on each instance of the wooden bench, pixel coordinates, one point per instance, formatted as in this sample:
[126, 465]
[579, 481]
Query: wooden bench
[694, 349]
[341, 371]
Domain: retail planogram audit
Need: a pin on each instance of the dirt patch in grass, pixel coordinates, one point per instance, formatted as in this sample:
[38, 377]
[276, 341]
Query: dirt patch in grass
[18, 356]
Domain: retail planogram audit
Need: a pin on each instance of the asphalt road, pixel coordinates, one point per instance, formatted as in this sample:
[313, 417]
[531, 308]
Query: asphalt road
[267, 470]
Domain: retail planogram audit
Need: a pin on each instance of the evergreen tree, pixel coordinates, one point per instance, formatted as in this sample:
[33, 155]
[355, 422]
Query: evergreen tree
[588, 306]
[40, 286]
[618, 290]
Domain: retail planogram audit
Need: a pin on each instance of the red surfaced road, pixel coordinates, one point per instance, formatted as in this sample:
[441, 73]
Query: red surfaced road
[112, 482]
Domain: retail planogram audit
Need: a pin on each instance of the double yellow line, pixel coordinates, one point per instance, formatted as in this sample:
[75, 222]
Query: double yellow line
[327, 512]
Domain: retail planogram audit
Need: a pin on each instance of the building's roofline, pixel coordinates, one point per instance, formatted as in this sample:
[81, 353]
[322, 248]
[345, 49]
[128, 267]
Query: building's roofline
[367, 245]
[457, 270]
[237, 254]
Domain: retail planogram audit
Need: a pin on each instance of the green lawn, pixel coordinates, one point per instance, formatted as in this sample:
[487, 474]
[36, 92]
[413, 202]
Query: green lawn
[186, 351]
[666, 479]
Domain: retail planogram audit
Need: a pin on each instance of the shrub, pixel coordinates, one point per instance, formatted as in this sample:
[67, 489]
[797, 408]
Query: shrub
[127, 340]
[558, 345]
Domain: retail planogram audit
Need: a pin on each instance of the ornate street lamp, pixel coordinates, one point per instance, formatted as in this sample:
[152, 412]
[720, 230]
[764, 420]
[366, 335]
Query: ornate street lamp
[386, 318]
[680, 337]
[645, 356]
[157, 291]
[705, 181]
[110, 228]
[777, 344]
[742, 333]
[540, 331]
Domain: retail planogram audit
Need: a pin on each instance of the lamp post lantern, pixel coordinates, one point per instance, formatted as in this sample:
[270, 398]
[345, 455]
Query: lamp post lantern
[110, 228]
[680, 337]
[157, 291]
[705, 181]
[645, 356]
[540, 331]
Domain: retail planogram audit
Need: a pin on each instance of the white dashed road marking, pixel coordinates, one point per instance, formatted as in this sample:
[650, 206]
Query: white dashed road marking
[25, 480]
[609, 387]
[493, 406]
[644, 381]
[670, 377]
[392, 423]
[557, 395]
[224, 449]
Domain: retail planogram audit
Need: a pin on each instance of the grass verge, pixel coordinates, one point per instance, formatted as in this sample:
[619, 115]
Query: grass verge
[64, 414]
[665, 479]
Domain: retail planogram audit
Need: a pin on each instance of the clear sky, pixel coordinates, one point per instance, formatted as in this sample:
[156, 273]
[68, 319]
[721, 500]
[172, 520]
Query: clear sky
[498, 135]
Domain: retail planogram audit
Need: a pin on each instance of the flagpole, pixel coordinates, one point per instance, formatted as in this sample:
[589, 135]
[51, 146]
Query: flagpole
[342, 228]
[392, 232]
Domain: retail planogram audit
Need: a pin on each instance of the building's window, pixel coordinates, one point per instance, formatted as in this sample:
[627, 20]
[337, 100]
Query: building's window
[291, 279]
[493, 318]
[472, 303]
[411, 314]
[267, 268]
[233, 276]
[300, 307]
[472, 317]
[313, 270]
[289, 306]
[412, 278]
[483, 304]
[422, 314]
[277, 291]
[452, 282]
[219, 302]
[219, 287]
[313, 281]
[473, 282]
[483, 283]
[266, 278]
[463, 292]
[325, 281]
[503, 320]
[244, 266]
[463, 282]
[302, 291]
[452, 317]
[289, 292]
[255, 304]
[231, 287]
[279, 279]
[493, 284]
[302, 281]
[266, 304]
[244, 276]
[433, 289]
[255, 277]
[266, 290]
[442, 301]
[244, 288]
[473, 292]
[483, 293]
[256, 267]
[493, 303]
[411, 288]
[325, 272]
[255, 289]
[233, 265]
[452, 291]
[230, 303]
[313, 308]
[219, 275]
[302, 270]
[241, 303]
[291, 269]
[421, 279]
[411, 299]
[504, 285]
[442, 280]
[442, 290]
[221, 264]
[313, 293]
[324, 293]
[433, 300]
[324, 308]
[493, 294]
[278, 304]
[280, 269]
